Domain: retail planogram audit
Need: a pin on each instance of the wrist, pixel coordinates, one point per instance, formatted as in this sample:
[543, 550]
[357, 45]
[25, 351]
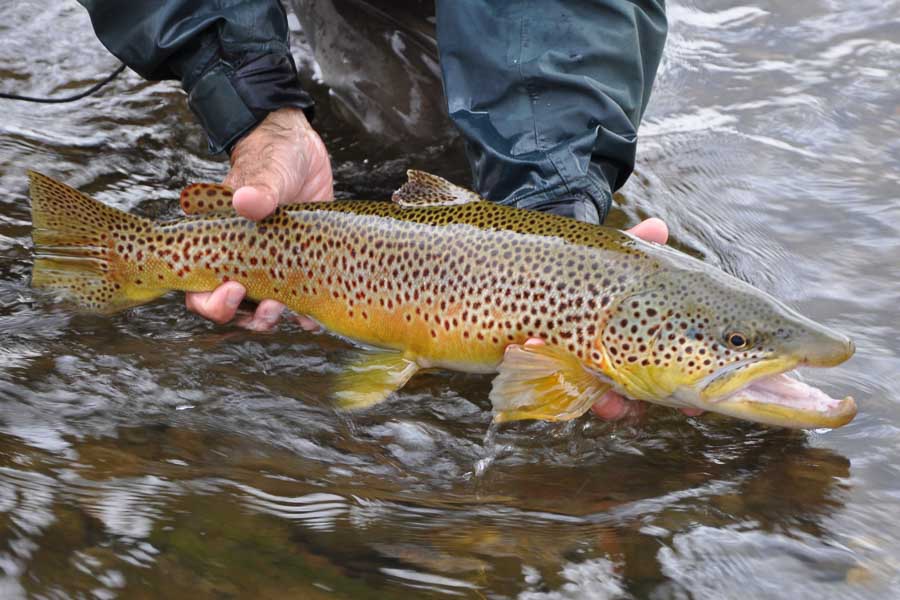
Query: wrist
[231, 98]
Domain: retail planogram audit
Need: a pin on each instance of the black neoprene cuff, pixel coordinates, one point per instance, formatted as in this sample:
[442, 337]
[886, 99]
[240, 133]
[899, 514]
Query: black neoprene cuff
[231, 99]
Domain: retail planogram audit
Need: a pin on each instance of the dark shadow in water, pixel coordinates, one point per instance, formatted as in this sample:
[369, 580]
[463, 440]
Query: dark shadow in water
[218, 514]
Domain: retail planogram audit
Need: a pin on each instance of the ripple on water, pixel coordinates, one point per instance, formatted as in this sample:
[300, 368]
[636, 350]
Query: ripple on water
[710, 562]
[317, 510]
[128, 507]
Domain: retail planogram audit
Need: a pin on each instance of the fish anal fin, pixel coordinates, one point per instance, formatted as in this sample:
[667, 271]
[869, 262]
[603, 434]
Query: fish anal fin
[425, 189]
[202, 198]
[543, 382]
[372, 376]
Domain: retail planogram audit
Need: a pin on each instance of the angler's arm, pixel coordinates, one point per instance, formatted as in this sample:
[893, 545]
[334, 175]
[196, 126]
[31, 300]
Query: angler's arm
[235, 64]
[549, 95]
[233, 59]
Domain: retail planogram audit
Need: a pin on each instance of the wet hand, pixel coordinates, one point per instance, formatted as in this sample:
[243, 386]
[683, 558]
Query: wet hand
[613, 406]
[282, 161]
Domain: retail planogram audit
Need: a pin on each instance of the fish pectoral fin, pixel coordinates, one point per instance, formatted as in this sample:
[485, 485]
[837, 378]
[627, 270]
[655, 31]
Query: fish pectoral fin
[371, 377]
[425, 189]
[543, 382]
[203, 198]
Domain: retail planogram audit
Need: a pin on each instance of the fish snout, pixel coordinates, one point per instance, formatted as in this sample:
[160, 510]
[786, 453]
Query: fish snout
[825, 348]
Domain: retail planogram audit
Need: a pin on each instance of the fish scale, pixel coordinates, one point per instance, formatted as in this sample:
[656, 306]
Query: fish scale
[437, 278]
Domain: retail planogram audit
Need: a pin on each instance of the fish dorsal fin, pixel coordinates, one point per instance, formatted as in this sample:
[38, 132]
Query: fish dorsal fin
[371, 376]
[425, 189]
[202, 198]
[543, 382]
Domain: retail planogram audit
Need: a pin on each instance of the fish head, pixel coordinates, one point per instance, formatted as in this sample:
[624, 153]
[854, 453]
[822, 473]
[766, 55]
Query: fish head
[696, 337]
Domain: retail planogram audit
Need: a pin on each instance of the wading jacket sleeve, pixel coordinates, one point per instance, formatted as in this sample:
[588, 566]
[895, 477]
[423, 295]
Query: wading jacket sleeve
[548, 95]
[232, 56]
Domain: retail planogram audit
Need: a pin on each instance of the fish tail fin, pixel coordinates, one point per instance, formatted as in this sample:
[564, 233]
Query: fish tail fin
[80, 248]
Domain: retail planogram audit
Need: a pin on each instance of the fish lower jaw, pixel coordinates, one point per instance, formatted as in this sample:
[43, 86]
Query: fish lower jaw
[783, 401]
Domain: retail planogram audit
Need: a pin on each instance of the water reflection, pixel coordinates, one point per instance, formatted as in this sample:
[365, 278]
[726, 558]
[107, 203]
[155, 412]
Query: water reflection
[167, 497]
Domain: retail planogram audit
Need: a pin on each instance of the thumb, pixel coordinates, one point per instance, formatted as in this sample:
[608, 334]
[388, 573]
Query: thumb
[256, 201]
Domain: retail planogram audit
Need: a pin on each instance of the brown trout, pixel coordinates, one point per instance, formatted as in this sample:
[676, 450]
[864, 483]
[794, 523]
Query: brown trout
[440, 278]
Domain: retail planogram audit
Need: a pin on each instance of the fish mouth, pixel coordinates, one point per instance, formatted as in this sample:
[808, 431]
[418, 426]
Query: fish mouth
[784, 401]
[763, 392]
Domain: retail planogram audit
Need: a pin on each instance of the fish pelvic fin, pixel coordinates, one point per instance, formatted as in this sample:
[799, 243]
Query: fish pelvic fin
[372, 376]
[424, 189]
[75, 245]
[203, 198]
[543, 382]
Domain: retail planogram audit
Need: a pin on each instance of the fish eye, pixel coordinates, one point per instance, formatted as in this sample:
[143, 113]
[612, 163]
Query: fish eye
[737, 340]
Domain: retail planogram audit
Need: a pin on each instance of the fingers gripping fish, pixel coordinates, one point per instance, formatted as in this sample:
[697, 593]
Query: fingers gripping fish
[440, 278]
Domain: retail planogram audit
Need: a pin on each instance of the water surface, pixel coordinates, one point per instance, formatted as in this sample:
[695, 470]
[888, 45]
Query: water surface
[152, 454]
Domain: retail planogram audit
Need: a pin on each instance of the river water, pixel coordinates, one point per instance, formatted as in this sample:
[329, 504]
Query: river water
[152, 454]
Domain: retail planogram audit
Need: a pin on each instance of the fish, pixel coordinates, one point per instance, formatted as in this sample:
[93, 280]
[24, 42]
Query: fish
[440, 278]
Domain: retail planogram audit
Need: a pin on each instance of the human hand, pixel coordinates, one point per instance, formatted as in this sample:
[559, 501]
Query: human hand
[282, 161]
[613, 406]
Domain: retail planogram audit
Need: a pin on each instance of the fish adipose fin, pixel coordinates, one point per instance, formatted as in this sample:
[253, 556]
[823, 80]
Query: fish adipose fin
[543, 382]
[76, 241]
[203, 198]
[371, 377]
[425, 189]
